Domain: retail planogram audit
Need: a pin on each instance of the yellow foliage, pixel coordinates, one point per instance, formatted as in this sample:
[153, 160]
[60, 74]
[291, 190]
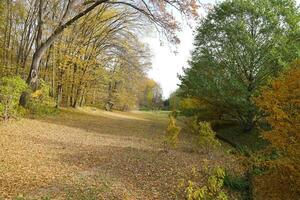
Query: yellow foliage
[192, 125]
[190, 103]
[207, 137]
[37, 94]
[281, 103]
[211, 191]
[172, 132]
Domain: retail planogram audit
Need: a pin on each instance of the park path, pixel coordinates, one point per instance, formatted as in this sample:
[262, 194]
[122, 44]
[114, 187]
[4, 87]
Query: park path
[93, 154]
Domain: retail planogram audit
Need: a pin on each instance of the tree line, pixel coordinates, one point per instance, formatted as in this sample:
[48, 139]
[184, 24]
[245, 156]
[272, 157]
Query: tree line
[89, 52]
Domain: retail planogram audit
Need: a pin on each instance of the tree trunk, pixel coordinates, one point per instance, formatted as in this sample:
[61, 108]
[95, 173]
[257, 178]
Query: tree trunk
[32, 79]
[59, 95]
[249, 122]
[82, 101]
[94, 97]
[42, 47]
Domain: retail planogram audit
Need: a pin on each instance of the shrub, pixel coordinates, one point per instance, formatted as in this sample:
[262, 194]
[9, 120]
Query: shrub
[212, 190]
[11, 89]
[40, 102]
[192, 125]
[281, 104]
[172, 132]
[207, 137]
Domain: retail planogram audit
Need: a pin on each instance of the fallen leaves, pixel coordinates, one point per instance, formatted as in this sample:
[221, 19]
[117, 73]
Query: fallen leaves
[77, 154]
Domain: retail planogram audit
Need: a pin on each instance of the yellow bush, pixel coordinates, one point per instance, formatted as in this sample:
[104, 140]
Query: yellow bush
[212, 190]
[192, 125]
[207, 137]
[172, 132]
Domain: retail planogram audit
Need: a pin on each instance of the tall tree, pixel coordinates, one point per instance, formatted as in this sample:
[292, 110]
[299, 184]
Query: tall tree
[103, 62]
[238, 47]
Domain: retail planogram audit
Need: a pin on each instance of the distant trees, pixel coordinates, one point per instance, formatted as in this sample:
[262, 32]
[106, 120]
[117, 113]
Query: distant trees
[238, 47]
[103, 62]
[46, 20]
[151, 97]
[103, 65]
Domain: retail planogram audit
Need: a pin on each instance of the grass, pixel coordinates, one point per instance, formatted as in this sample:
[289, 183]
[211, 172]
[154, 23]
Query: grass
[244, 142]
[94, 154]
[238, 183]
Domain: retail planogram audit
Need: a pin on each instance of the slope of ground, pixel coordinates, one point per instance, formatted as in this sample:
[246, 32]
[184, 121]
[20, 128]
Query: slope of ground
[92, 154]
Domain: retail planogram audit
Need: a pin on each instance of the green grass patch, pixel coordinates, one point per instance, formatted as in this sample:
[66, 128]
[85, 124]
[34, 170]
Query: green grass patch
[244, 142]
[238, 183]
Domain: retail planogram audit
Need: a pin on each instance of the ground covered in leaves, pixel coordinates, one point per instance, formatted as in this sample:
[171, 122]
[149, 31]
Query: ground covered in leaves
[92, 154]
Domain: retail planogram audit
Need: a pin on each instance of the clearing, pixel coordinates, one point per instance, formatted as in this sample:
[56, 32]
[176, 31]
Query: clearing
[93, 154]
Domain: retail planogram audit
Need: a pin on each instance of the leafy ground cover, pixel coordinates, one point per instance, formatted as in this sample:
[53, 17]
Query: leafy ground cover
[93, 154]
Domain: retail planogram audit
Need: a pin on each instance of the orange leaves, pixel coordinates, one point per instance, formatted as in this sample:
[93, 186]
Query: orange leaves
[281, 103]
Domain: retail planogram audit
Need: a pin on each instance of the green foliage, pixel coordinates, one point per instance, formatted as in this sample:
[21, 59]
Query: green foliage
[212, 190]
[239, 183]
[90, 193]
[192, 125]
[243, 143]
[207, 137]
[11, 89]
[40, 102]
[243, 150]
[239, 46]
[172, 132]
[174, 101]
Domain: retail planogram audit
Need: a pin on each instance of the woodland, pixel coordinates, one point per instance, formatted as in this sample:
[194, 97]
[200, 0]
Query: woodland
[81, 119]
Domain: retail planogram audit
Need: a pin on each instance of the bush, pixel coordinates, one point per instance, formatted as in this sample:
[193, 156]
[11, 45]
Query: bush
[11, 89]
[212, 190]
[40, 103]
[173, 130]
[192, 125]
[207, 137]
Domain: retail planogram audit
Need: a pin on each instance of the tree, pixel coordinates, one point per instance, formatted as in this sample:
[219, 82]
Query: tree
[104, 62]
[152, 95]
[238, 47]
[127, 75]
[17, 33]
[67, 12]
[281, 104]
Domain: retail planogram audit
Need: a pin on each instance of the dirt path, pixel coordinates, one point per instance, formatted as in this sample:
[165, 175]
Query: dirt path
[92, 154]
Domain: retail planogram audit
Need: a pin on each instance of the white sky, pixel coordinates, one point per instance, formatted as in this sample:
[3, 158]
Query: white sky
[165, 64]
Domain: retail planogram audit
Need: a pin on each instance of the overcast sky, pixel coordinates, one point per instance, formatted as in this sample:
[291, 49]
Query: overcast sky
[165, 64]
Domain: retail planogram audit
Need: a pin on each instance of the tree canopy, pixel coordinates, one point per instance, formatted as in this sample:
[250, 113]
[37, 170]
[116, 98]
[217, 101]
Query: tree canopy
[238, 47]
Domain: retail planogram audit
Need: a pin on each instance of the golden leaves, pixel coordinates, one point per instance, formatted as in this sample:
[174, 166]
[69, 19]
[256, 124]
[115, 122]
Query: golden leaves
[281, 103]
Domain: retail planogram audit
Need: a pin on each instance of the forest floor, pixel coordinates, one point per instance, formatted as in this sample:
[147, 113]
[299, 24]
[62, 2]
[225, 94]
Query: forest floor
[93, 154]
